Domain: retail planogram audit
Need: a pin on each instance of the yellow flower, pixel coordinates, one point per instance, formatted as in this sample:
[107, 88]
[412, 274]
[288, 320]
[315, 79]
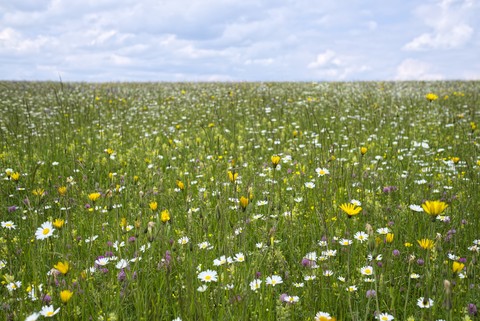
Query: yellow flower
[62, 267]
[389, 238]
[38, 192]
[123, 223]
[455, 160]
[275, 160]
[425, 244]
[58, 223]
[153, 206]
[232, 176]
[363, 150]
[94, 196]
[243, 202]
[473, 126]
[109, 151]
[431, 97]
[350, 209]
[15, 176]
[62, 190]
[434, 208]
[165, 216]
[180, 185]
[408, 244]
[457, 267]
[66, 295]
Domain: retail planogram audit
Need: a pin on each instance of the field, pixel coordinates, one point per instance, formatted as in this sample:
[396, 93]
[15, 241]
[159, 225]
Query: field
[240, 201]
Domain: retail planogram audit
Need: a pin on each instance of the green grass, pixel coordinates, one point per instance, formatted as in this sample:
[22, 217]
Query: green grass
[133, 143]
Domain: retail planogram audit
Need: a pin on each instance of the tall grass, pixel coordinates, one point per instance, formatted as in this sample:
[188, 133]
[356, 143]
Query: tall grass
[175, 144]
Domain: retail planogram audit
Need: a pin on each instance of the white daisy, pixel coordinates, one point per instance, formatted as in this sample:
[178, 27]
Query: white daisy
[44, 231]
[208, 276]
[255, 284]
[274, 280]
[48, 311]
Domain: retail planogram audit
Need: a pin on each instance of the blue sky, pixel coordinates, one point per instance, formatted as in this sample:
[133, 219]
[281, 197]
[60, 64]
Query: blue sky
[231, 40]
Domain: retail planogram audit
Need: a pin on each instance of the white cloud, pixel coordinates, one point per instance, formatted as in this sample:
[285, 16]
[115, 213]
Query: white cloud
[449, 24]
[411, 69]
[253, 40]
[324, 59]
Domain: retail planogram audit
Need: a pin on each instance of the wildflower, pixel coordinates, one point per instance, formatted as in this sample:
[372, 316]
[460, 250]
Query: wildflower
[153, 205]
[165, 216]
[291, 299]
[431, 97]
[361, 236]
[274, 280]
[66, 295]
[351, 288]
[62, 267]
[327, 273]
[94, 196]
[324, 316]
[322, 171]
[371, 294]
[239, 257]
[457, 267]
[345, 242]
[58, 223]
[310, 185]
[366, 270]
[389, 237]
[363, 150]
[425, 244]
[15, 176]
[424, 303]
[102, 261]
[416, 208]
[434, 208]
[350, 209]
[33, 317]
[385, 317]
[38, 192]
[275, 160]
[220, 261]
[122, 264]
[255, 284]
[208, 276]
[44, 231]
[180, 185]
[414, 276]
[9, 225]
[243, 202]
[472, 309]
[62, 190]
[183, 240]
[356, 202]
[232, 176]
[455, 160]
[14, 285]
[48, 311]
[383, 230]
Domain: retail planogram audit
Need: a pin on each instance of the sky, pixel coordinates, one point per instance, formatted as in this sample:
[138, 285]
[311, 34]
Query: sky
[239, 40]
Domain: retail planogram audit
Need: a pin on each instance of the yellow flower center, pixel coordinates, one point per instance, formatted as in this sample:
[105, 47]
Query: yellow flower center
[46, 231]
[49, 313]
[208, 278]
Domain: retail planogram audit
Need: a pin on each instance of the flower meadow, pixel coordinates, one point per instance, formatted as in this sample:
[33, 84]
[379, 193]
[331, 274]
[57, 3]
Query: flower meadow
[240, 201]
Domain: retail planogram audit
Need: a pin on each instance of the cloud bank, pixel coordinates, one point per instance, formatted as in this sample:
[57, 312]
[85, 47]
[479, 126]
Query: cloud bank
[226, 40]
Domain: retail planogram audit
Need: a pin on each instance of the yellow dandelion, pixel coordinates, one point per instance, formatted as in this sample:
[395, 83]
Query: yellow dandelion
[275, 160]
[94, 196]
[66, 295]
[350, 209]
[426, 244]
[62, 267]
[153, 205]
[165, 216]
[434, 208]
